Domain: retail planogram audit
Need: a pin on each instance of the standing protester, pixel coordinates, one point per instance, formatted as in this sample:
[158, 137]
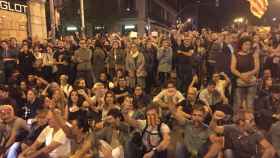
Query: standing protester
[164, 56]
[135, 65]
[82, 58]
[184, 64]
[245, 66]
[98, 60]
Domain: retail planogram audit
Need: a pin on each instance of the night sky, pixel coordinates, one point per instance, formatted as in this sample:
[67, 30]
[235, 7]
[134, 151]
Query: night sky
[212, 16]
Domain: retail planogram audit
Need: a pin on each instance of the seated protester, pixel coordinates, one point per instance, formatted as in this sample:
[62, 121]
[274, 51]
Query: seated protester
[269, 104]
[140, 98]
[5, 98]
[98, 91]
[199, 140]
[74, 108]
[37, 126]
[103, 78]
[81, 84]
[266, 75]
[56, 143]
[169, 95]
[110, 103]
[119, 75]
[77, 130]
[155, 134]
[64, 85]
[222, 84]
[241, 139]
[131, 109]
[121, 90]
[191, 100]
[211, 97]
[113, 136]
[31, 106]
[265, 88]
[275, 137]
[12, 130]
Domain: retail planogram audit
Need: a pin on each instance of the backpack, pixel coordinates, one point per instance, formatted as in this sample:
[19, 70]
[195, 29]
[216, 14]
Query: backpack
[149, 134]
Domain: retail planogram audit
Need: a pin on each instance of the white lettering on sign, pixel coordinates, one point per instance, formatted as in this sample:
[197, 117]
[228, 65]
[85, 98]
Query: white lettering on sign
[14, 7]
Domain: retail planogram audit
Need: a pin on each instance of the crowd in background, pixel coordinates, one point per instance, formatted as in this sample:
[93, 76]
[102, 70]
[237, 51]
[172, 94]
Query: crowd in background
[181, 94]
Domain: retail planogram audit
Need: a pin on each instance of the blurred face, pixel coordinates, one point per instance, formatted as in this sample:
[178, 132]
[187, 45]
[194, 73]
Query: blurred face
[6, 114]
[246, 46]
[171, 89]
[152, 117]
[83, 44]
[103, 77]
[4, 45]
[211, 88]
[109, 98]
[191, 95]
[56, 95]
[60, 44]
[197, 117]
[74, 97]
[30, 96]
[138, 91]
[267, 74]
[82, 84]
[115, 45]
[128, 103]
[268, 82]
[165, 44]
[49, 50]
[3, 94]
[256, 38]
[23, 85]
[122, 83]
[248, 122]
[216, 77]
[42, 119]
[134, 48]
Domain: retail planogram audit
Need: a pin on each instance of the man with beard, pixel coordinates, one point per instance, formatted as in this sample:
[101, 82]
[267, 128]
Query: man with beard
[198, 140]
[155, 134]
[242, 139]
[269, 104]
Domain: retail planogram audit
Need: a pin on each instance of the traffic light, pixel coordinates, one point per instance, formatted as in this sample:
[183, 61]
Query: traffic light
[217, 3]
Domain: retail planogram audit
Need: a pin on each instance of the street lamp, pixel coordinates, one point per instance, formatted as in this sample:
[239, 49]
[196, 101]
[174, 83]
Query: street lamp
[238, 20]
[274, 19]
[189, 20]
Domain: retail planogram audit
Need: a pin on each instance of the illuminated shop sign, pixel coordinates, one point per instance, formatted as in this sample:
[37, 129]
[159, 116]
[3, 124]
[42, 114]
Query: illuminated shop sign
[13, 6]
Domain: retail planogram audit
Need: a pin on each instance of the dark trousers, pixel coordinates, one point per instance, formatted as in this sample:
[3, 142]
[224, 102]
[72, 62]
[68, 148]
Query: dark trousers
[163, 77]
[184, 78]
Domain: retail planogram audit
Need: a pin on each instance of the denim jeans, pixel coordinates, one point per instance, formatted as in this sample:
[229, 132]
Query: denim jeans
[13, 151]
[246, 94]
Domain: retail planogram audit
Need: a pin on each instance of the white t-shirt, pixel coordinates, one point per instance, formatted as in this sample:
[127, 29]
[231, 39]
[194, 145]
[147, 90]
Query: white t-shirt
[48, 136]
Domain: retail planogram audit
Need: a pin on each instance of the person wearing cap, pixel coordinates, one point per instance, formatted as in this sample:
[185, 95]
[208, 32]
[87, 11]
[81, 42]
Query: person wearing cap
[12, 129]
[242, 139]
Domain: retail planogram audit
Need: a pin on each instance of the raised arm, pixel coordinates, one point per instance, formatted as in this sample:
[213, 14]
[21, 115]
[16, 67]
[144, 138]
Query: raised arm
[213, 124]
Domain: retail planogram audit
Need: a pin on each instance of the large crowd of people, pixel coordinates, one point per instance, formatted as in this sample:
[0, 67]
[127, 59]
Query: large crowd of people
[180, 94]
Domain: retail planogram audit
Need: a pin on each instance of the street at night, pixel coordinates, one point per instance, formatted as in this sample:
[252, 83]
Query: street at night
[139, 78]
